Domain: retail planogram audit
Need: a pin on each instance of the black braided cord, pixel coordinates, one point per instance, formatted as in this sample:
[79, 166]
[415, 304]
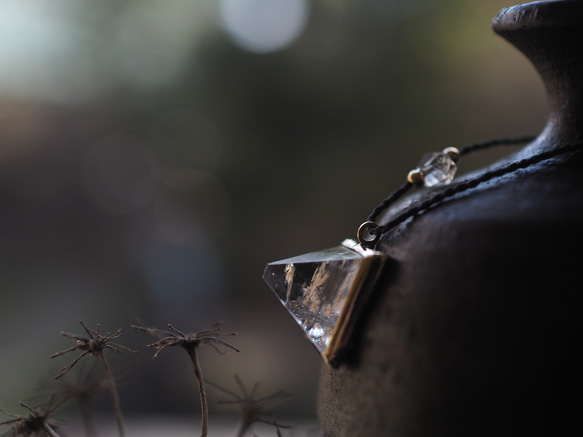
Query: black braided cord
[395, 195]
[389, 200]
[471, 183]
[497, 142]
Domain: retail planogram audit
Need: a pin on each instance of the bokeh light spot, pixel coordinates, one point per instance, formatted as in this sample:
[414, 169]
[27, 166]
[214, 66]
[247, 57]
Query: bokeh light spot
[264, 26]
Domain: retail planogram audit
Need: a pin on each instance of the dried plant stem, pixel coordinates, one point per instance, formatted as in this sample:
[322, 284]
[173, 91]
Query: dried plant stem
[87, 415]
[202, 390]
[243, 428]
[50, 431]
[114, 396]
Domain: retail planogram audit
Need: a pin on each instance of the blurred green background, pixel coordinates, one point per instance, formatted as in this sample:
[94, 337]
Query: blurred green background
[155, 155]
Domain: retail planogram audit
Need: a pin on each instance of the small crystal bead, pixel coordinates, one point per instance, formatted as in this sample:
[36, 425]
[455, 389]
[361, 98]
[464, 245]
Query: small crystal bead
[438, 168]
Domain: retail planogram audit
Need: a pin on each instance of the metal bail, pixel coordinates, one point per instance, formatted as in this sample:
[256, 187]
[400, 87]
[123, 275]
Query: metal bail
[366, 238]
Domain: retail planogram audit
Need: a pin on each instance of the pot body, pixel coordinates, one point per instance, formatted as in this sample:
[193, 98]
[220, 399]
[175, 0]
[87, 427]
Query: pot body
[475, 326]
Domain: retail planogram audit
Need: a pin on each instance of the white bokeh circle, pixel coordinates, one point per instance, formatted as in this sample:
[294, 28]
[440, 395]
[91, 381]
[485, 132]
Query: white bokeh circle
[264, 26]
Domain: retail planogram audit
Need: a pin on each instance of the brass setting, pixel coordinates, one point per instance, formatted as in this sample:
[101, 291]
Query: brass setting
[416, 177]
[452, 152]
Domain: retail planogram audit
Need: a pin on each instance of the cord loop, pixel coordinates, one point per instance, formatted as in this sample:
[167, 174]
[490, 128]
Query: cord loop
[367, 237]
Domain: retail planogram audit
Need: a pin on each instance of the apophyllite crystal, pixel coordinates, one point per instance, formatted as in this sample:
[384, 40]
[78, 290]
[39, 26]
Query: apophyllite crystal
[324, 291]
[438, 168]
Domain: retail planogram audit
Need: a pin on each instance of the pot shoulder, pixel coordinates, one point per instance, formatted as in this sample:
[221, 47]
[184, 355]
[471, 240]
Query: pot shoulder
[473, 319]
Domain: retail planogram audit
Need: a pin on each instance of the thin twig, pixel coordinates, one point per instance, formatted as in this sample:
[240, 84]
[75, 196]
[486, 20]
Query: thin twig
[87, 416]
[114, 397]
[201, 390]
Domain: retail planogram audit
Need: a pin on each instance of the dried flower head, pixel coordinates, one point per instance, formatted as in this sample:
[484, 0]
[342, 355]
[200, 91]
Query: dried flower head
[252, 410]
[84, 385]
[190, 342]
[82, 388]
[37, 423]
[95, 345]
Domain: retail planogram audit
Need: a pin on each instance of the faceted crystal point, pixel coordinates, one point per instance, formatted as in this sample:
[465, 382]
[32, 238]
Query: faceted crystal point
[324, 291]
[438, 168]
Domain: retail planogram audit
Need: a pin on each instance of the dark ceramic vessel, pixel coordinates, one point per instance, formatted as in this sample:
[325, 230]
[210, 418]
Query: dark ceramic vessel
[476, 326]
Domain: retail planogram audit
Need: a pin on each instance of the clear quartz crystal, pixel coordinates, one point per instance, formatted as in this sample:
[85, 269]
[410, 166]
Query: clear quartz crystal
[319, 290]
[438, 168]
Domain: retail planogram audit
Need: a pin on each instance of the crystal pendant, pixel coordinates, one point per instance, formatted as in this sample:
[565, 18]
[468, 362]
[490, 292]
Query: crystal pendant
[324, 291]
[438, 168]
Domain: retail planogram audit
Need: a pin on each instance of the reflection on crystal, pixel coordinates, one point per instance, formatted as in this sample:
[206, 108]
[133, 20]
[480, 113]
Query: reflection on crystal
[438, 168]
[316, 331]
[320, 290]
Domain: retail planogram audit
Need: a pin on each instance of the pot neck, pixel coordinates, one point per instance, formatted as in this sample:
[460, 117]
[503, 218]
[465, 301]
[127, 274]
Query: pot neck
[550, 34]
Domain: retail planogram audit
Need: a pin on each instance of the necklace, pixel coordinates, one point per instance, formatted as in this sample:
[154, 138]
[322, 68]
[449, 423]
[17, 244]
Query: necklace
[326, 291]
